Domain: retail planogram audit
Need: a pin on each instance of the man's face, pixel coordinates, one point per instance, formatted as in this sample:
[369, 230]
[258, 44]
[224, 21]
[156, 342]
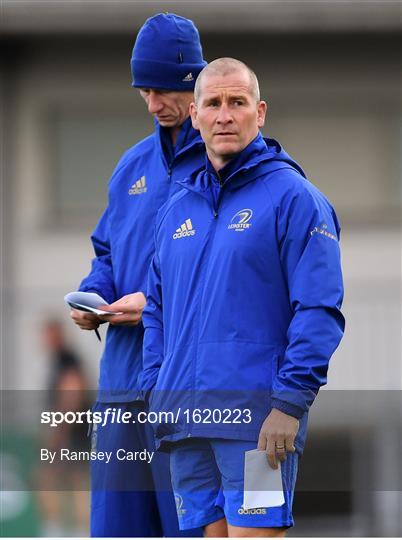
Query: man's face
[227, 114]
[170, 108]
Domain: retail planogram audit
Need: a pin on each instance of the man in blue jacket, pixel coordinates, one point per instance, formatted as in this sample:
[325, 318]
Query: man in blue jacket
[243, 311]
[167, 58]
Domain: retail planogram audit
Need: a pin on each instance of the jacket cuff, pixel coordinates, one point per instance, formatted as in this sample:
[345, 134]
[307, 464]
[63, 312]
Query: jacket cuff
[287, 408]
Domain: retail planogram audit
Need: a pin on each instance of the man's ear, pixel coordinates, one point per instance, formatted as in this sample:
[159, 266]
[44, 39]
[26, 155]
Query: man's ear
[193, 114]
[262, 108]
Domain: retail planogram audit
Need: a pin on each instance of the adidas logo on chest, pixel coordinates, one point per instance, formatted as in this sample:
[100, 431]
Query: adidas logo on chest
[138, 187]
[186, 229]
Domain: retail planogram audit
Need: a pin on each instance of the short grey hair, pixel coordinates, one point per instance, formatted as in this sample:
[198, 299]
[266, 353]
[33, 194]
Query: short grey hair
[224, 66]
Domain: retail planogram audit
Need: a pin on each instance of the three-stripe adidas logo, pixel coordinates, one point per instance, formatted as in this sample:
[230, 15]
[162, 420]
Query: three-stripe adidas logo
[184, 230]
[188, 78]
[138, 187]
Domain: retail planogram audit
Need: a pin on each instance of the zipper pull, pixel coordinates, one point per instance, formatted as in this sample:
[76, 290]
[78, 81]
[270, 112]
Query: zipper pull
[215, 214]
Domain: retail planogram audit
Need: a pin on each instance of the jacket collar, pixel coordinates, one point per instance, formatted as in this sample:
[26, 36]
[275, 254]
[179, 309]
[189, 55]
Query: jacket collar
[261, 156]
[242, 169]
[256, 148]
[186, 138]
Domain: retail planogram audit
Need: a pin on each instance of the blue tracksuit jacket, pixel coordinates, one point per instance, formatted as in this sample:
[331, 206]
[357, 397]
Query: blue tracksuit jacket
[244, 297]
[124, 244]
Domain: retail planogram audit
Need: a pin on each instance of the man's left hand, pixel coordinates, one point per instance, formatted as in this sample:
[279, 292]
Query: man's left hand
[277, 436]
[130, 308]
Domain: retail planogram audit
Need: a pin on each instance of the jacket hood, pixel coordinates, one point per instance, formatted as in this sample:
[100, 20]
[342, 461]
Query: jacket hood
[261, 156]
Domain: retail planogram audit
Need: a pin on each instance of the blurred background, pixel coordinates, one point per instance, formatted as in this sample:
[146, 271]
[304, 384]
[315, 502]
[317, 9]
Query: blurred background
[331, 74]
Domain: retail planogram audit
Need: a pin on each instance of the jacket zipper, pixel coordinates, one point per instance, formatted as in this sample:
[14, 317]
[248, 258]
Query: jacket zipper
[211, 236]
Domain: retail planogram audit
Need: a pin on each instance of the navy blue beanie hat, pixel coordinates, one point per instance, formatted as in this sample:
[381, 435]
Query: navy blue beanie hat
[167, 54]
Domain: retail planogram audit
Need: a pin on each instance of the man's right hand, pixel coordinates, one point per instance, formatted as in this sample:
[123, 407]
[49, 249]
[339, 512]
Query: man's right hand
[130, 308]
[85, 320]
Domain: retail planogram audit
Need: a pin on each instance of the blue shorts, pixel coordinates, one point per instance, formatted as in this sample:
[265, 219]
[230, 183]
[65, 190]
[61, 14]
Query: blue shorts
[208, 483]
[130, 498]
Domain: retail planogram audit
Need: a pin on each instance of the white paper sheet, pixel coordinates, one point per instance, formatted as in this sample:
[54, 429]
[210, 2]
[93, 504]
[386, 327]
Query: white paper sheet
[262, 485]
[87, 301]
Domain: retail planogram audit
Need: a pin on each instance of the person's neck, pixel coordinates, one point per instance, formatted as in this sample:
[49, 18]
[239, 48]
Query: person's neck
[218, 162]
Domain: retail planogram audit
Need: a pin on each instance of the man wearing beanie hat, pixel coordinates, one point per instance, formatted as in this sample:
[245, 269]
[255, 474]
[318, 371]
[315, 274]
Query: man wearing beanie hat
[133, 498]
